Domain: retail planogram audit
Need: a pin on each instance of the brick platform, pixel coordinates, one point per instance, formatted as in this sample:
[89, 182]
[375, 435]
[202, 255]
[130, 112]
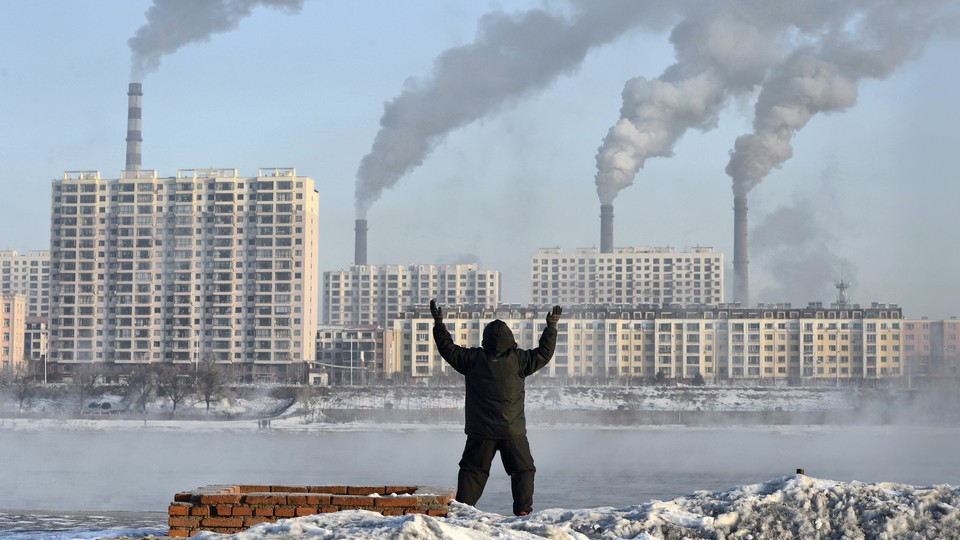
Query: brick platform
[234, 508]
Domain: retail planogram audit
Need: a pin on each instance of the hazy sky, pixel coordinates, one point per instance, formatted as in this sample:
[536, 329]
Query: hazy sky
[870, 191]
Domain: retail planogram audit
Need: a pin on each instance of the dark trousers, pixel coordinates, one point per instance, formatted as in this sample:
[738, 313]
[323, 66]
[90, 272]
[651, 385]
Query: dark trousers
[475, 469]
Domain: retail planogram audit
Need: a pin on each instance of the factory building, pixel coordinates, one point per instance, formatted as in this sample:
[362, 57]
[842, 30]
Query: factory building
[205, 266]
[630, 276]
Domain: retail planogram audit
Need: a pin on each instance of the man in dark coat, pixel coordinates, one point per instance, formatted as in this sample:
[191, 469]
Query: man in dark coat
[494, 417]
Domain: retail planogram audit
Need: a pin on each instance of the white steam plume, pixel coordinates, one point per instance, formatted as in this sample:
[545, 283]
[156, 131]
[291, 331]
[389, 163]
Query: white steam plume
[823, 77]
[512, 56]
[171, 24]
[724, 49]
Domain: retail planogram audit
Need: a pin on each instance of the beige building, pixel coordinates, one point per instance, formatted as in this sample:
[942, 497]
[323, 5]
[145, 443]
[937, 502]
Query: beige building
[205, 265]
[354, 355]
[27, 274]
[772, 343]
[13, 314]
[932, 349]
[631, 276]
[378, 294]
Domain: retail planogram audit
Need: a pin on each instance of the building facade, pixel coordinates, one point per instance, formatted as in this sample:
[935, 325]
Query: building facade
[378, 294]
[727, 342]
[355, 355]
[13, 315]
[203, 266]
[932, 349]
[27, 274]
[632, 276]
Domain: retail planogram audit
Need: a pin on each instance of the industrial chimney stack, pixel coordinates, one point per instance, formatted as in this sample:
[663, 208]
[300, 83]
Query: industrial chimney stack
[134, 134]
[741, 278]
[360, 246]
[606, 228]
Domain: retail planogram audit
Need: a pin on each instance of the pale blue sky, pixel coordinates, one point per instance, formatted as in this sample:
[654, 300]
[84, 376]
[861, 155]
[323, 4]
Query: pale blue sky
[878, 181]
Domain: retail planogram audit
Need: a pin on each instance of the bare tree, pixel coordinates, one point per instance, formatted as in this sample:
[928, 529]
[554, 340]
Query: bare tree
[211, 382]
[84, 381]
[24, 387]
[141, 385]
[174, 384]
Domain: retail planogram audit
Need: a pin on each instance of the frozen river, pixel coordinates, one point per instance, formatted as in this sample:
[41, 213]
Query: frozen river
[58, 472]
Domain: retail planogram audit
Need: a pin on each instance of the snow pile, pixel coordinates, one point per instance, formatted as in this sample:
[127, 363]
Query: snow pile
[788, 507]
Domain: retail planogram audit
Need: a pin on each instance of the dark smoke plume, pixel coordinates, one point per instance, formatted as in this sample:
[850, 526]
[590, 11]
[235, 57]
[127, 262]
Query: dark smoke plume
[823, 77]
[512, 56]
[171, 24]
[724, 50]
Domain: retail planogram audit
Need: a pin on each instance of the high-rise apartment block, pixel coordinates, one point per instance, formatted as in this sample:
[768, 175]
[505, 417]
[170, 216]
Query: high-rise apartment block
[378, 294]
[206, 266]
[724, 342]
[13, 314]
[27, 274]
[632, 276]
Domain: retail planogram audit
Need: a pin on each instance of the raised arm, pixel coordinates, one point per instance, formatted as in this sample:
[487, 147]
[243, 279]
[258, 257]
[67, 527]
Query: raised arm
[453, 354]
[539, 357]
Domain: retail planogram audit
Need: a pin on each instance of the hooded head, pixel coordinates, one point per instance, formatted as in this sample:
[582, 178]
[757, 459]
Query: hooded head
[497, 337]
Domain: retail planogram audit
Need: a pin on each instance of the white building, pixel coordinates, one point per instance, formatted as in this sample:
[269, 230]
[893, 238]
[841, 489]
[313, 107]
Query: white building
[632, 276]
[203, 266]
[27, 274]
[378, 294]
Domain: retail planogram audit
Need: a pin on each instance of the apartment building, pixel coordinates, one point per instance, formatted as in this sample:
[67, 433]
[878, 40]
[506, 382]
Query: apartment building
[932, 348]
[725, 342]
[27, 274]
[206, 265]
[13, 313]
[378, 294]
[355, 354]
[631, 276]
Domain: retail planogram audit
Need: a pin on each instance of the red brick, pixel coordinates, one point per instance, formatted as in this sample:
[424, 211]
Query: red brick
[297, 499]
[183, 497]
[306, 510]
[364, 490]
[179, 510]
[200, 511]
[265, 498]
[399, 490]
[414, 511]
[438, 512]
[332, 490]
[317, 499]
[254, 489]
[250, 521]
[284, 511]
[179, 533]
[242, 511]
[222, 522]
[395, 502]
[263, 511]
[391, 511]
[351, 501]
[328, 509]
[232, 498]
[289, 489]
[184, 522]
[226, 530]
[222, 510]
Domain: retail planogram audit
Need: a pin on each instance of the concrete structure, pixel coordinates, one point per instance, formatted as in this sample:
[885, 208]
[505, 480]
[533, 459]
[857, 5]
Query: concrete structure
[772, 343]
[932, 350]
[741, 261]
[627, 277]
[134, 126]
[13, 314]
[27, 274]
[205, 265]
[35, 338]
[354, 355]
[378, 294]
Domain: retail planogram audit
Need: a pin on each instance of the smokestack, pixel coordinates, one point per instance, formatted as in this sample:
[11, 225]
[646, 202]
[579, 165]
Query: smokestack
[134, 134]
[606, 228]
[360, 247]
[741, 279]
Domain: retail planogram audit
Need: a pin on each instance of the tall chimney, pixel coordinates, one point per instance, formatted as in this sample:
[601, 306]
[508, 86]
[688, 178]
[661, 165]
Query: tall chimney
[134, 133]
[741, 278]
[360, 246]
[606, 228]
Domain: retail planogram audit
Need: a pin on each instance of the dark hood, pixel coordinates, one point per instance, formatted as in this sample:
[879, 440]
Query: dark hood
[497, 337]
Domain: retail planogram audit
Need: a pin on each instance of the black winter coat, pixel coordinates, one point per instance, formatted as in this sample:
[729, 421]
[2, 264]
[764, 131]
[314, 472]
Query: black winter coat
[495, 376]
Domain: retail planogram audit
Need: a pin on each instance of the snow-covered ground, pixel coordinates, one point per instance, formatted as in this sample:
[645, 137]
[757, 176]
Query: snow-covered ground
[788, 507]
